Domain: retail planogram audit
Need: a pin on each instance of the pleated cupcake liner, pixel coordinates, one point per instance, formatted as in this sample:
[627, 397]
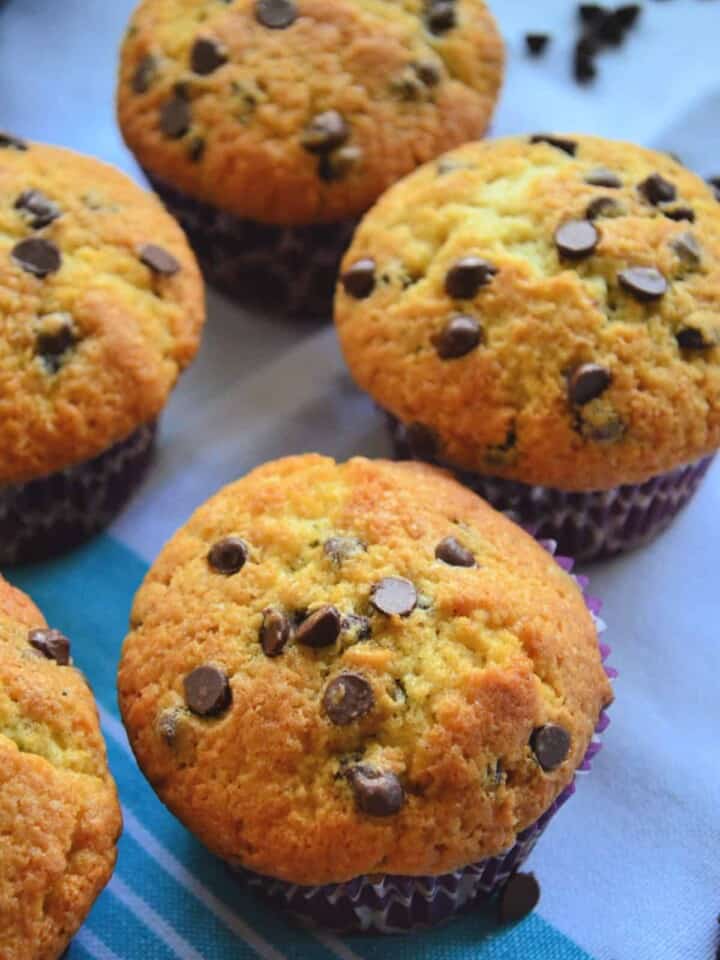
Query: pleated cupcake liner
[50, 515]
[399, 904]
[288, 271]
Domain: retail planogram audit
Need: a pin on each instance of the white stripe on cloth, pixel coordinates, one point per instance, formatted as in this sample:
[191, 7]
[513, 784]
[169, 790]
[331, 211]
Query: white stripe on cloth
[152, 920]
[94, 945]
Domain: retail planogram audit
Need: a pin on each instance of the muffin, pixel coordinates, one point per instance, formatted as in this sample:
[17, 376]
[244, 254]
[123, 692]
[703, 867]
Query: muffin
[269, 126]
[542, 316]
[362, 687]
[101, 307]
[59, 812]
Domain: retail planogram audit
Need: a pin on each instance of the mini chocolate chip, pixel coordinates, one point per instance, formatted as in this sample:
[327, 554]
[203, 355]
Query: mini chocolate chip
[519, 897]
[377, 792]
[441, 17]
[359, 279]
[450, 551]
[144, 74]
[644, 283]
[690, 338]
[467, 275]
[657, 189]
[587, 382]
[408, 86]
[321, 628]
[394, 596]
[196, 149]
[680, 213]
[458, 337]
[206, 56]
[576, 239]
[340, 548]
[536, 43]
[37, 256]
[687, 247]
[422, 441]
[158, 259]
[207, 691]
[42, 211]
[325, 132]
[338, 164]
[428, 71]
[348, 698]
[276, 14]
[175, 117]
[274, 632]
[51, 644]
[53, 342]
[551, 745]
[584, 69]
[9, 142]
[228, 556]
[561, 143]
[602, 177]
[604, 207]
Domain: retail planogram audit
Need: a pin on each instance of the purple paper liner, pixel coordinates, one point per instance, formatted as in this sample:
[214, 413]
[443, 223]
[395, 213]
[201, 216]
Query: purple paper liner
[588, 525]
[399, 904]
[47, 516]
[284, 270]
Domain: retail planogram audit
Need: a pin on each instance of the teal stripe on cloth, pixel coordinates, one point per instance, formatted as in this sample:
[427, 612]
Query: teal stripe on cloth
[170, 897]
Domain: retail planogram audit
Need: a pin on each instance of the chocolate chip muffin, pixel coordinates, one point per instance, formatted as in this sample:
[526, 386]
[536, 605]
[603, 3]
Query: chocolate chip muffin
[101, 307]
[542, 315]
[269, 126]
[59, 812]
[362, 686]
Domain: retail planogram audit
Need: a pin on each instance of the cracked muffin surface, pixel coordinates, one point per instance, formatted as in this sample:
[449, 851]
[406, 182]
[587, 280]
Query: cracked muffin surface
[299, 111]
[336, 670]
[59, 812]
[545, 309]
[101, 308]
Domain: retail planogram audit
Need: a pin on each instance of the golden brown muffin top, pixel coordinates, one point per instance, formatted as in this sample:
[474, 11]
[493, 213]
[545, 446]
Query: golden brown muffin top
[101, 307]
[548, 308]
[59, 813]
[346, 669]
[301, 111]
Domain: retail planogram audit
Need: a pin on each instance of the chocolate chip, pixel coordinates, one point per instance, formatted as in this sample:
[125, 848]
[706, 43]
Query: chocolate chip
[680, 213]
[408, 86]
[321, 628]
[657, 189]
[206, 56]
[207, 691]
[687, 247]
[359, 279]
[450, 551]
[428, 71]
[9, 142]
[602, 177]
[587, 382]
[51, 644]
[158, 259]
[690, 338]
[519, 897]
[348, 698]
[196, 149]
[584, 69]
[340, 548]
[536, 43]
[458, 337]
[560, 143]
[644, 283]
[175, 117]
[441, 17]
[604, 207]
[576, 239]
[394, 596]
[627, 15]
[42, 211]
[37, 256]
[377, 792]
[325, 132]
[591, 12]
[274, 632]
[144, 74]
[551, 745]
[467, 276]
[422, 441]
[338, 164]
[52, 342]
[276, 14]
[228, 556]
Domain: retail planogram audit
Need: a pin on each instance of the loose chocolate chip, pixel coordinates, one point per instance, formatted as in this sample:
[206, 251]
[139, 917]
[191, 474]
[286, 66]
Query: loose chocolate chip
[627, 15]
[657, 189]
[394, 596]
[228, 556]
[422, 441]
[690, 338]
[338, 164]
[9, 142]
[458, 337]
[144, 74]
[687, 247]
[40, 209]
[450, 551]
[441, 17]
[681, 213]
[320, 629]
[158, 259]
[644, 283]
[428, 71]
[602, 177]
[377, 792]
[536, 43]
[51, 644]
[325, 132]
[348, 698]
[207, 691]
[467, 276]
[576, 239]
[519, 897]
[196, 149]
[276, 14]
[206, 56]
[359, 279]
[175, 117]
[603, 207]
[560, 143]
[340, 548]
[587, 382]
[274, 632]
[591, 12]
[551, 745]
[584, 69]
[37, 256]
